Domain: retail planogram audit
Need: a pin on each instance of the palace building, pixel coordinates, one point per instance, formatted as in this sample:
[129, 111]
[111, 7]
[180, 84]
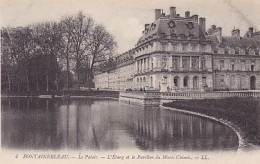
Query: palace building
[177, 53]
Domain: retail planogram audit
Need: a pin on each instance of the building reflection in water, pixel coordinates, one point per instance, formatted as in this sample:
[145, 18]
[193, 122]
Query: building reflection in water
[90, 124]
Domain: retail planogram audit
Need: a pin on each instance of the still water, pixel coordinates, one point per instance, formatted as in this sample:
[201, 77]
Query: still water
[91, 124]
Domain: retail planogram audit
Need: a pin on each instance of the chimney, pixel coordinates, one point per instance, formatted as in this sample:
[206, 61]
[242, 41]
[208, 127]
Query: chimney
[236, 33]
[172, 12]
[250, 32]
[187, 14]
[145, 26]
[213, 27]
[202, 23]
[157, 13]
[251, 29]
[195, 17]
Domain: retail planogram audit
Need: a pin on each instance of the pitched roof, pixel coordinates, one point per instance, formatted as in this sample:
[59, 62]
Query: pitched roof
[179, 26]
[230, 41]
[242, 42]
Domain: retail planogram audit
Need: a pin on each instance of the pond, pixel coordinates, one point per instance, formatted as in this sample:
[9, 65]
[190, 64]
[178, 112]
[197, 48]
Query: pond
[103, 124]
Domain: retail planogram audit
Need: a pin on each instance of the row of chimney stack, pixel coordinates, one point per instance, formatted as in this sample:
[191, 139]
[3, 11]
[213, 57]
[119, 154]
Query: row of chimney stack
[201, 21]
[173, 14]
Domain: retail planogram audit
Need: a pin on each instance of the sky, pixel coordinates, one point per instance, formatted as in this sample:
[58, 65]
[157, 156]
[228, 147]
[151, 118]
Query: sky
[125, 19]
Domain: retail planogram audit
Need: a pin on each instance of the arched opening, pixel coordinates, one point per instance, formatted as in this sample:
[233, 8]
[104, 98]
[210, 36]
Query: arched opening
[186, 82]
[195, 82]
[252, 82]
[176, 81]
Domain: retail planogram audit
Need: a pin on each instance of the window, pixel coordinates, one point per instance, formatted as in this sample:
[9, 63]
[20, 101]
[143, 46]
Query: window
[252, 67]
[185, 47]
[221, 62]
[174, 47]
[222, 80]
[164, 61]
[195, 62]
[164, 46]
[232, 65]
[186, 81]
[193, 47]
[243, 66]
[203, 63]
[176, 81]
[185, 62]
[176, 62]
[204, 48]
[204, 81]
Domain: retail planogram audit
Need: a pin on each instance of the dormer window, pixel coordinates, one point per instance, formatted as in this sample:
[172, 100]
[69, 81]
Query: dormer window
[193, 47]
[226, 51]
[173, 35]
[153, 26]
[246, 51]
[236, 51]
[164, 46]
[242, 52]
[174, 47]
[203, 48]
[251, 52]
[171, 24]
[185, 47]
[231, 51]
[190, 25]
[182, 36]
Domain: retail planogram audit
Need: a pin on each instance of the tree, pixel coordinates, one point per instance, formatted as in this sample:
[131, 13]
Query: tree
[23, 47]
[6, 57]
[101, 45]
[67, 42]
[82, 27]
[48, 37]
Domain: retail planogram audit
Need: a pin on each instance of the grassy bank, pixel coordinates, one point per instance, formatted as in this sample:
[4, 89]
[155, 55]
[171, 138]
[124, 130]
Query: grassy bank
[243, 112]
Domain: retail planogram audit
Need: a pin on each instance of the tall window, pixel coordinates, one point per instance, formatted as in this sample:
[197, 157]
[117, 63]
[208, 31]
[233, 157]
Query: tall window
[195, 62]
[164, 62]
[186, 81]
[176, 62]
[203, 63]
[204, 81]
[243, 66]
[221, 63]
[252, 67]
[222, 80]
[232, 65]
[185, 62]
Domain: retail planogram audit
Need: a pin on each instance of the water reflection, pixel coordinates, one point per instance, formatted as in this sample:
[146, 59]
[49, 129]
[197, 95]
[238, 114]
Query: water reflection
[106, 125]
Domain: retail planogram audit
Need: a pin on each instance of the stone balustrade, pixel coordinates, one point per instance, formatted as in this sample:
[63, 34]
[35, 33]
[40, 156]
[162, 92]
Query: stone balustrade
[156, 98]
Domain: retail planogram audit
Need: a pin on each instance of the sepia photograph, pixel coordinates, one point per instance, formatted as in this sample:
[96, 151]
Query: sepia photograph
[130, 81]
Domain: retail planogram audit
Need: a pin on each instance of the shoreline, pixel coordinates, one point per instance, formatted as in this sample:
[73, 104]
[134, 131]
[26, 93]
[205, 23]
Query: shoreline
[105, 97]
[242, 144]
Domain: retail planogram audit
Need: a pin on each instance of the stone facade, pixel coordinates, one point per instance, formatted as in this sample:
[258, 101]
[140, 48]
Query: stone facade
[176, 53]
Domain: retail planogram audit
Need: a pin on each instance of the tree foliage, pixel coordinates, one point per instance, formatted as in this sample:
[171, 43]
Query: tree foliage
[48, 56]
